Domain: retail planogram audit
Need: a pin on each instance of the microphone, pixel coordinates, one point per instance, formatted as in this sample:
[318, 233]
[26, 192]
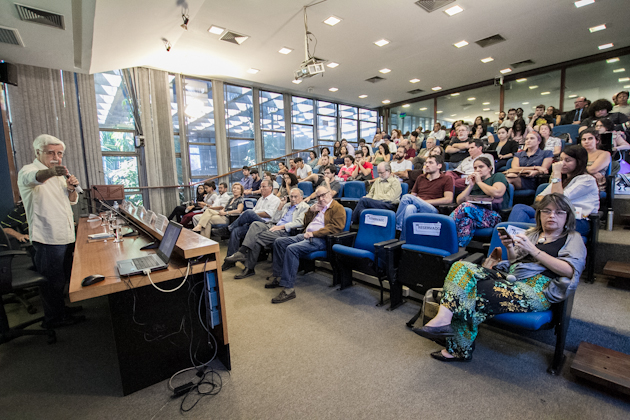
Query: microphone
[76, 187]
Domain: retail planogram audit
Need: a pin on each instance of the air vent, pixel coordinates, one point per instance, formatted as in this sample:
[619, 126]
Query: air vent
[415, 91]
[375, 79]
[10, 36]
[522, 64]
[30, 14]
[433, 5]
[491, 40]
[234, 37]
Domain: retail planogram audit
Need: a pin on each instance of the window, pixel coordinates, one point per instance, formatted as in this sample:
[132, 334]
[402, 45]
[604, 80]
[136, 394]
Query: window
[272, 124]
[367, 124]
[302, 119]
[418, 114]
[326, 123]
[527, 93]
[200, 129]
[468, 105]
[239, 125]
[349, 128]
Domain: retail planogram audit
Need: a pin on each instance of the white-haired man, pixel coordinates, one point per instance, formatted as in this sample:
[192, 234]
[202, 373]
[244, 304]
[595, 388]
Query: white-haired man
[47, 197]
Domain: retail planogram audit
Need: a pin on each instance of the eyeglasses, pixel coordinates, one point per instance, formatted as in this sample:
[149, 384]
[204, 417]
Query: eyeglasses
[320, 196]
[382, 172]
[549, 212]
[53, 153]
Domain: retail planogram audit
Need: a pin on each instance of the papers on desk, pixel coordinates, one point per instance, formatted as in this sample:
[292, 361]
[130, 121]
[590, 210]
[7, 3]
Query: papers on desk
[161, 223]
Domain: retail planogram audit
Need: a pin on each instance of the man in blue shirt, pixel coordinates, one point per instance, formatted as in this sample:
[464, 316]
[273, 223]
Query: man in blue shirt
[247, 180]
[262, 234]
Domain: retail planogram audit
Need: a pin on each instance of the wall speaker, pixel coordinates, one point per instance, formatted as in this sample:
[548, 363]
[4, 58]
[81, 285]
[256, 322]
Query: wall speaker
[8, 74]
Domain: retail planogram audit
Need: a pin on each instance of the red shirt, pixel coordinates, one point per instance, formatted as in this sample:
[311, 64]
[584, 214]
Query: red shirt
[411, 153]
[431, 190]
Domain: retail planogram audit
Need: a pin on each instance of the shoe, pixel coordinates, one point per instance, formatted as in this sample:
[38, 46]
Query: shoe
[71, 310]
[435, 333]
[273, 283]
[236, 257]
[227, 265]
[437, 355]
[283, 297]
[64, 321]
[246, 273]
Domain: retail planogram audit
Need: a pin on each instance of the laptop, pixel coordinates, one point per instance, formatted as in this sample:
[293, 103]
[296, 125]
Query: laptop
[157, 261]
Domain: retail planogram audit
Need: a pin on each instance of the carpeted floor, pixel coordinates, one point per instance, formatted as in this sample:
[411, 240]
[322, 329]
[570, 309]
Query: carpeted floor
[327, 354]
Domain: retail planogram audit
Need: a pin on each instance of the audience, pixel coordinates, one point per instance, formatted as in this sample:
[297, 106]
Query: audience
[382, 154]
[621, 103]
[555, 114]
[289, 181]
[518, 131]
[503, 146]
[511, 117]
[598, 160]
[312, 159]
[211, 217]
[362, 169]
[325, 154]
[349, 147]
[529, 163]
[208, 200]
[466, 166]
[578, 114]
[400, 165]
[384, 194]
[540, 117]
[553, 144]
[179, 211]
[219, 203]
[247, 180]
[347, 169]
[254, 189]
[269, 177]
[336, 149]
[329, 182]
[604, 125]
[343, 153]
[410, 152]
[430, 144]
[498, 123]
[479, 132]
[437, 132]
[458, 147]
[601, 109]
[303, 170]
[367, 153]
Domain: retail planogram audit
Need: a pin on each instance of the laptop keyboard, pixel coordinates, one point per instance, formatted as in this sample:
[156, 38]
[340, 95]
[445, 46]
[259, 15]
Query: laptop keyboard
[145, 262]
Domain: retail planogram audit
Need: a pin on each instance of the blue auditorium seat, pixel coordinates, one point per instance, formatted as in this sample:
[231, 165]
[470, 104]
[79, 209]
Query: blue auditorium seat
[306, 187]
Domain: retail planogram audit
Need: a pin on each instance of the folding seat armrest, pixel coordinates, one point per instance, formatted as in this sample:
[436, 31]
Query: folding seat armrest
[295, 231]
[459, 255]
[475, 258]
[505, 213]
[343, 238]
[380, 245]
[446, 208]
[11, 253]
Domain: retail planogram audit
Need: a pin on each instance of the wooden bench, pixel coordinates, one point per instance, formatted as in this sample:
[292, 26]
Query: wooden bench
[617, 269]
[603, 366]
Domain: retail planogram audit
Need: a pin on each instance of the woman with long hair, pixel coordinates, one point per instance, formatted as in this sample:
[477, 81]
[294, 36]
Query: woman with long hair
[343, 153]
[504, 146]
[544, 265]
[529, 163]
[336, 148]
[518, 131]
[381, 155]
[179, 211]
[598, 160]
[366, 153]
[551, 143]
[312, 159]
[210, 217]
[208, 200]
[347, 169]
[289, 181]
[605, 125]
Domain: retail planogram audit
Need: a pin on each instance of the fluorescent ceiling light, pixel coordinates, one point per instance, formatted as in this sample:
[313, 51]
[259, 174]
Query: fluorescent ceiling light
[362, 96]
[605, 46]
[332, 65]
[521, 80]
[285, 50]
[332, 21]
[597, 28]
[406, 105]
[455, 94]
[439, 112]
[582, 3]
[572, 96]
[525, 103]
[624, 79]
[253, 71]
[487, 59]
[612, 60]
[297, 81]
[505, 70]
[216, 30]
[486, 103]
[382, 42]
[545, 93]
[619, 70]
[386, 101]
[414, 80]
[534, 87]
[453, 10]
[626, 87]
[333, 89]
[384, 71]
[453, 115]
[461, 44]
[436, 88]
[472, 98]
[486, 109]
[423, 109]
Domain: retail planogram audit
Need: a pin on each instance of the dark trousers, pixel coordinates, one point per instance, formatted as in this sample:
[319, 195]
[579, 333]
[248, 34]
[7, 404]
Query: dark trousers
[55, 263]
[239, 229]
[370, 203]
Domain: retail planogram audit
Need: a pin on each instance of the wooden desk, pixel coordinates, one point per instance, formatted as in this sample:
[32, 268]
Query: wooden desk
[139, 312]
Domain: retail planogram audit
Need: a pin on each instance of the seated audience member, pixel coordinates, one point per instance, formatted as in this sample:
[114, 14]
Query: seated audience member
[219, 203]
[384, 194]
[518, 131]
[479, 132]
[269, 177]
[601, 109]
[546, 262]
[504, 146]
[363, 144]
[396, 136]
[318, 177]
[604, 125]
[478, 121]
[289, 181]
[303, 170]
[412, 175]
[336, 149]
[254, 190]
[529, 163]
[389, 144]
[400, 165]
[179, 211]
[234, 207]
[289, 216]
[437, 132]
[457, 149]
[367, 153]
[570, 178]
[327, 217]
[329, 182]
[208, 201]
[343, 153]
[430, 143]
[578, 114]
[540, 117]
[414, 142]
[382, 154]
[292, 166]
[431, 189]
[509, 121]
[15, 226]
[264, 211]
[378, 139]
[325, 154]
[553, 144]
[247, 180]
[598, 160]
[498, 123]
[554, 114]
[485, 194]
[347, 169]
[349, 147]
[362, 169]
[410, 152]
[466, 166]
[312, 159]
[453, 131]
[282, 168]
[621, 103]
[519, 113]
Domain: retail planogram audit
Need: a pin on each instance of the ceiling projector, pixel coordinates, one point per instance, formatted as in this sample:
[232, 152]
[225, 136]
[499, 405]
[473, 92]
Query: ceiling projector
[309, 68]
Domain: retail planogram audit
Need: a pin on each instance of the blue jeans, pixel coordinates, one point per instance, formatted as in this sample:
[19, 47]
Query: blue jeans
[287, 253]
[409, 205]
[370, 203]
[55, 263]
[239, 229]
[527, 214]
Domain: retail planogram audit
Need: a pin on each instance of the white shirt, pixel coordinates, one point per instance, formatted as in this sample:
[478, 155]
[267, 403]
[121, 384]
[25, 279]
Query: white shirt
[350, 149]
[221, 200]
[466, 165]
[303, 173]
[405, 165]
[269, 205]
[392, 147]
[552, 142]
[582, 191]
[439, 135]
[210, 199]
[48, 211]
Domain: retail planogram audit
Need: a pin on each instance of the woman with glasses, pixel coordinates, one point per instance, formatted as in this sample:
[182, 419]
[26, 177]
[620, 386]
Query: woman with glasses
[543, 266]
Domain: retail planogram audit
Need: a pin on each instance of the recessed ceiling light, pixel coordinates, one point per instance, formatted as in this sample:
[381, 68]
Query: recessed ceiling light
[612, 60]
[619, 70]
[525, 103]
[406, 105]
[439, 112]
[605, 46]
[624, 79]
[384, 71]
[453, 115]
[572, 96]
[597, 28]
[582, 3]
[626, 86]
[285, 50]
[472, 98]
[496, 113]
[534, 87]
[332, 65]
[386, 101]
[216, 30]
[487, 59]
[333, 89]
[436, 88]
[382, 42]
[332, 21]
[423, 109]
[521, 80]
[455, 94]
[297, 81]
[362, 96]
[414, 80]
[453, 10]
[253, 71]
[486, 103]
[545, 93]
[486, 109]
[461, 44]
[505, 70]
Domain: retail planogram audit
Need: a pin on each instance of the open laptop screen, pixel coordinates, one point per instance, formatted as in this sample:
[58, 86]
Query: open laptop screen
[169, 240]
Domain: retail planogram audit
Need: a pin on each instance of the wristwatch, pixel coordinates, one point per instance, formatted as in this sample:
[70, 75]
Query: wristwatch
[555, 180]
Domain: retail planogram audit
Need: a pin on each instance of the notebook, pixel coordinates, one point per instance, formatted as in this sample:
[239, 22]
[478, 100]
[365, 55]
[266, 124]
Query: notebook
[157, 261]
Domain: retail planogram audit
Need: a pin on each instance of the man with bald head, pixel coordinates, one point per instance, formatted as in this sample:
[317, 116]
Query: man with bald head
[578, 114]
[327, 217]
[384, 194]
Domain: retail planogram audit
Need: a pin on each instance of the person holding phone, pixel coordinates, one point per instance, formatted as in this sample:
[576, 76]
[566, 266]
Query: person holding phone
[543, 265]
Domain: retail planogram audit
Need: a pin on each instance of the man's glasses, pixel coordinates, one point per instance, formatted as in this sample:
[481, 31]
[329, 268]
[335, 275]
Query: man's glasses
[320, 196]
[53, 153]
[548, 212]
